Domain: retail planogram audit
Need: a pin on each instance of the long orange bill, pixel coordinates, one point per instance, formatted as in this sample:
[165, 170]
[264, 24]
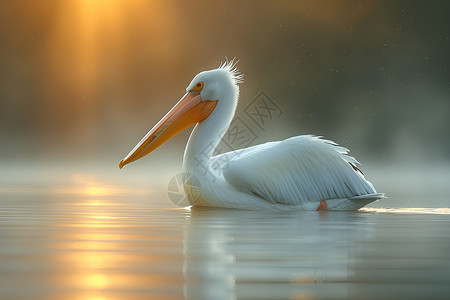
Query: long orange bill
[188, 111]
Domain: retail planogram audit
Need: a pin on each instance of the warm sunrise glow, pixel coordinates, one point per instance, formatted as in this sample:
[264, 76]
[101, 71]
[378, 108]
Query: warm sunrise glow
[91, 42]
[86, 22]
[86, 32]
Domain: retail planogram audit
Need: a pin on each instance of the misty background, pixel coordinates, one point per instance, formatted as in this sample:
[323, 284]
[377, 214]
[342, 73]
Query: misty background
[82, 81]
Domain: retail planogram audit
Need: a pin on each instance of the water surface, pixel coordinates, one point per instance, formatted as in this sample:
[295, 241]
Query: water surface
[73, 246]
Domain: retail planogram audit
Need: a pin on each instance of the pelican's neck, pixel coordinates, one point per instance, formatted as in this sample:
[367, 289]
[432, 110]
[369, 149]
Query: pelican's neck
[205, 137]
[200, 148]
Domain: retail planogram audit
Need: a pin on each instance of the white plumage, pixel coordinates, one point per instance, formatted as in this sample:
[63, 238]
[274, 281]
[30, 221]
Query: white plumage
[297, 170]
[302, 172]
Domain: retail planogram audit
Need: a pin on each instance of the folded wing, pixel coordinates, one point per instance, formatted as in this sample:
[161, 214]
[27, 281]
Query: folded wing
[294, 171]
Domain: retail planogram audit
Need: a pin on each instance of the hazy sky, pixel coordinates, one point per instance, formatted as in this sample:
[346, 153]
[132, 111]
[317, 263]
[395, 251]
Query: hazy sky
[84, 80]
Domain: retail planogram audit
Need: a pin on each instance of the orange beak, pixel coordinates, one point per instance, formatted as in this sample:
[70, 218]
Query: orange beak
[188, 111]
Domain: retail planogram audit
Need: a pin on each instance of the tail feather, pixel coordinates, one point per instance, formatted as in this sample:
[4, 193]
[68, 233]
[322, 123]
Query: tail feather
[353, 203]
[372, 197]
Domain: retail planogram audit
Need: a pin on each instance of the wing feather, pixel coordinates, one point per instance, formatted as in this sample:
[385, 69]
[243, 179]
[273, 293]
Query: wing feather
[294, 171]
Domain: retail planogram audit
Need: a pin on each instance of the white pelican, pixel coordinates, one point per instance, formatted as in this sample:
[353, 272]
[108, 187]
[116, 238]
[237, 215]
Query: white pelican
[302, 172]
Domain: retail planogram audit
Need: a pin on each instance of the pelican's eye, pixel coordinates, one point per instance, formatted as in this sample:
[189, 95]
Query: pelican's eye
[197, 88]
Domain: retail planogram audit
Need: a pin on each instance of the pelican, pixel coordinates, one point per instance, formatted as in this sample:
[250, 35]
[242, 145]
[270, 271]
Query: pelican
[303, 172]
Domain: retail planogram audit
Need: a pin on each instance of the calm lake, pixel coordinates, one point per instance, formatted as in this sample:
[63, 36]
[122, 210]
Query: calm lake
[97, 246]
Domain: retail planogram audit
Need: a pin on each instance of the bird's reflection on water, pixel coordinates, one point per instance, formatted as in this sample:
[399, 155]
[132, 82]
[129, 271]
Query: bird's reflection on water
[106, 247]
[232, 254]
[287, 255]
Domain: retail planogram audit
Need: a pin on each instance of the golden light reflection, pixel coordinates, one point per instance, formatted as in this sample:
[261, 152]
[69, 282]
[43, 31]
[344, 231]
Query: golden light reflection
[91, 187]
[87, 185]
[98, 191]
[104, 217]
[94, 246]
[94, 252]
[92, 261]
[97, 245]
[96, 298]
[96, 280]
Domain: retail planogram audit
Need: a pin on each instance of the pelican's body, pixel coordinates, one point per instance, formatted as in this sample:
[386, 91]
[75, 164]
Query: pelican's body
[302, 172]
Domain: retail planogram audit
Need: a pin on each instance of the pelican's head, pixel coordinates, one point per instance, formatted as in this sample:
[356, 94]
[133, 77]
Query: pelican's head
[211, 94]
